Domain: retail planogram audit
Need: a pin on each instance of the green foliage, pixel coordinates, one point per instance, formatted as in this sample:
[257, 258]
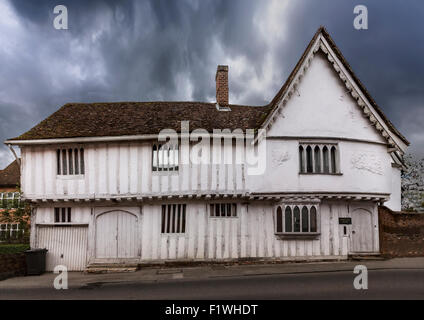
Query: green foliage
[13, 248]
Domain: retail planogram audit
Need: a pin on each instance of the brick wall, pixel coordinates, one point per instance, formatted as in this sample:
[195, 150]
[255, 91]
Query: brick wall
[221, 79]
[12, 264]
[401, 233]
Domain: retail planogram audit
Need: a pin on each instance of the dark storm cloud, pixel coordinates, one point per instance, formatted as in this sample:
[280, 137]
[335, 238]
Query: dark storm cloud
[168, 50]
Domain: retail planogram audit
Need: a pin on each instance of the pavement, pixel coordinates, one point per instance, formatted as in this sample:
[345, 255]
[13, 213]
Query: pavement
[78, 280]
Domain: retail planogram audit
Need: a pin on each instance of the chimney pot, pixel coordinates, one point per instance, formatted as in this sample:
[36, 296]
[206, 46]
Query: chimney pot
[221, 80]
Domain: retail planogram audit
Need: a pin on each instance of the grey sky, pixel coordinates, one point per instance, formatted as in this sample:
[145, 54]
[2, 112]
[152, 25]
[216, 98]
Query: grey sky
[168, 50]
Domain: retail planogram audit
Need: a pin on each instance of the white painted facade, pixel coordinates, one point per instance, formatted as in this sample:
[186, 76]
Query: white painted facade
[117, 203]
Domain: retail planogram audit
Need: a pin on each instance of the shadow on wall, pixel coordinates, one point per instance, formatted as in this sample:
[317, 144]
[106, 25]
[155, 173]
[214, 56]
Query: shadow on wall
[401, 233]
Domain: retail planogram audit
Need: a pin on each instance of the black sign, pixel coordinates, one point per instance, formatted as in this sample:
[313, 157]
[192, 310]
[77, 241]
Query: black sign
[345, 220]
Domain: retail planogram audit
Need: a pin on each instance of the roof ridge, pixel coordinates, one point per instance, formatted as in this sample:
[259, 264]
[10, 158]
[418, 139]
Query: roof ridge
[159, 102]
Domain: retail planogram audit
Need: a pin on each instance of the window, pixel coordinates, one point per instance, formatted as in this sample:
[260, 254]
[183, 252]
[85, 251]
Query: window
[279, 219]
[62, 215]
[165, 158]
[10, 200]
[298, 219]
[319, 158]
[288, 220]
[223, 210]
[309, 165]
[173, 218]
[70, 161]
[10, 231]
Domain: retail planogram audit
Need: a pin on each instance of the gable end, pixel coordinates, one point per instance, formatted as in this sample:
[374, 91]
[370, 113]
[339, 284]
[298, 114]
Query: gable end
[322, 41]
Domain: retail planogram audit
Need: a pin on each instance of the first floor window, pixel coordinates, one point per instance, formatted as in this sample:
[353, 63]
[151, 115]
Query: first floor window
[296, 219]
[70, 161]
[173, 218]
[165, 157]
[223, 210]
[319, 158]
[62, 215]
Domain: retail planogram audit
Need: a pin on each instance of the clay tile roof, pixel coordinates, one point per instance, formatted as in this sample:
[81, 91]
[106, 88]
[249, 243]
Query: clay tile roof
[10, 176]
[137, 118]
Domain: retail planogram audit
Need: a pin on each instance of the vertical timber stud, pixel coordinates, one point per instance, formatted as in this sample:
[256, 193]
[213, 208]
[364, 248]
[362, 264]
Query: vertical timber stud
[33, 236]
[91, 243]
[140, 231]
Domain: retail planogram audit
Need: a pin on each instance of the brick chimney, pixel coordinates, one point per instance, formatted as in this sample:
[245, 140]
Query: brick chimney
[221, 79]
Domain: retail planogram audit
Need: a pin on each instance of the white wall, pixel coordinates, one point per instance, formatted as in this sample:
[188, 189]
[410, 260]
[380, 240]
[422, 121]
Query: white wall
[123, 169]
[364, 167]
[249, 235]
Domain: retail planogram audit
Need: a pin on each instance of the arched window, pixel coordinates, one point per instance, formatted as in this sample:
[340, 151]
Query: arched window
[333, 160]
[305, 219]
[288, 219]
[319, 158]
[296, 219]
[326, 160]
[279, 219]
[309, 166]
[317, 155]
[301, 163]
[313, 218]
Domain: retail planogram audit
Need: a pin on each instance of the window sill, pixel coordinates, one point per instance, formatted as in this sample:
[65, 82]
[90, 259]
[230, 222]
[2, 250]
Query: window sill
[165, 173]
[231, 217]
[298, 235]
[321, 173]
[70, 177]
[62, 224]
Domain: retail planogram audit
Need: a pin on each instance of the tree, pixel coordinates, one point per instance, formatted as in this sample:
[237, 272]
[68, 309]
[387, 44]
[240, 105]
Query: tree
[413, 184]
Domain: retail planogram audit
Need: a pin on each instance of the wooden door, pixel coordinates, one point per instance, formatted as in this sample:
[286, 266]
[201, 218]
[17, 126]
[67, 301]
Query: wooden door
[362, 231]
[116, 235]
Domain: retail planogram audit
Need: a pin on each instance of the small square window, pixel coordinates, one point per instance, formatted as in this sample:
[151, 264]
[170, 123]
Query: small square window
[62, 215]
[223, 210]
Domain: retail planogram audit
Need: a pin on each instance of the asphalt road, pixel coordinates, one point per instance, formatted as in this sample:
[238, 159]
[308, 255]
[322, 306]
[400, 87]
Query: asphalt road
[382, 284]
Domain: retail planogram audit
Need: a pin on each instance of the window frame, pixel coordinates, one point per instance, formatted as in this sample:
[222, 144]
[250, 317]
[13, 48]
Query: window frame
[291, 232]
[70, 161]
[159, 169]
[180, 211]
[62, 213]
[328, 157]
[10, 231]
[10, 200]
[215, 205]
